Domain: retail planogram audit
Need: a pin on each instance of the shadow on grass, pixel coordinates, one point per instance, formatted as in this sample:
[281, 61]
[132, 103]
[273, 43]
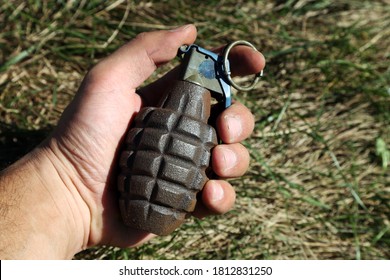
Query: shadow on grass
[15, 142]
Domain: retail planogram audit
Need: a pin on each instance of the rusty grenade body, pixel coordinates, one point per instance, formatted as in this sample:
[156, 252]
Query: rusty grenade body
[164, 164]
[168, 148]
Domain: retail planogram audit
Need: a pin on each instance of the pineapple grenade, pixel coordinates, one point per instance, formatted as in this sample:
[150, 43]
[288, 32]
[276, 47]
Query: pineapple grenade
[168, 148]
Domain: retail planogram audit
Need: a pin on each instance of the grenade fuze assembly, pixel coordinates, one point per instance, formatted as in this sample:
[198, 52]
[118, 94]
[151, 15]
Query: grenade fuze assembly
[167, 150]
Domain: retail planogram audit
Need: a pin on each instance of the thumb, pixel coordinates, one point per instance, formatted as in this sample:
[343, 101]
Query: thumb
[134, 62]
[105, 93]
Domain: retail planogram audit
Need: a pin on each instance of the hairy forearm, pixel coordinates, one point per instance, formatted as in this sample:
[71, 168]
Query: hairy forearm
[37, 215]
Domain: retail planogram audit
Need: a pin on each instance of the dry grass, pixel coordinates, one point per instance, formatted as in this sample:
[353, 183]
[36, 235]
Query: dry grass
[318, 186]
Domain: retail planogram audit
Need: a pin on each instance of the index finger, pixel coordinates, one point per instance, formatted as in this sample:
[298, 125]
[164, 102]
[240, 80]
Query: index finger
[244, 60]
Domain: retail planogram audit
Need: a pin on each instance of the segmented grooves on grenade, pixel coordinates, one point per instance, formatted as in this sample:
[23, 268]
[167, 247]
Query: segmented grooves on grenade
[164, 164]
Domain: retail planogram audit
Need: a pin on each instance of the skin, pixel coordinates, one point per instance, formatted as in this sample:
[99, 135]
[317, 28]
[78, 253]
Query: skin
[61, 198]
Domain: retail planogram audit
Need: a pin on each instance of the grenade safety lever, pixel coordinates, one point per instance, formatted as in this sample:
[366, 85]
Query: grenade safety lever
[205, 68]
[167, 150]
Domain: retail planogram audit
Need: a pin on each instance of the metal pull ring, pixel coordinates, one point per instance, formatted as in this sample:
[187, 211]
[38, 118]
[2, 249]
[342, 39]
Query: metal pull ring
[226, 67]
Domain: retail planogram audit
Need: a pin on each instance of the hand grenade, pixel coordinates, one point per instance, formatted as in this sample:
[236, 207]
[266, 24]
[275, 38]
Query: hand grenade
[167, 150]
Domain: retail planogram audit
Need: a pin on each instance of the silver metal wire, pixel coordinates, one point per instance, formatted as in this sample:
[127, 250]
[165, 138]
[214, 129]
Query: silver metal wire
[226, 67]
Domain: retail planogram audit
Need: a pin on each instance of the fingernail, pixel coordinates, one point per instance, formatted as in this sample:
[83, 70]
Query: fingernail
[180, 28]
[230, 158]
[234, 126]
[217, 192]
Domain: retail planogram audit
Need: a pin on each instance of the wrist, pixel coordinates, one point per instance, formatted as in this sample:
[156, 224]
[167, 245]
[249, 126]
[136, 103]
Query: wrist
[42, 213]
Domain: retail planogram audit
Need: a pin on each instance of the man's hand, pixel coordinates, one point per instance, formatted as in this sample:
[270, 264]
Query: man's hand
[73, 173]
